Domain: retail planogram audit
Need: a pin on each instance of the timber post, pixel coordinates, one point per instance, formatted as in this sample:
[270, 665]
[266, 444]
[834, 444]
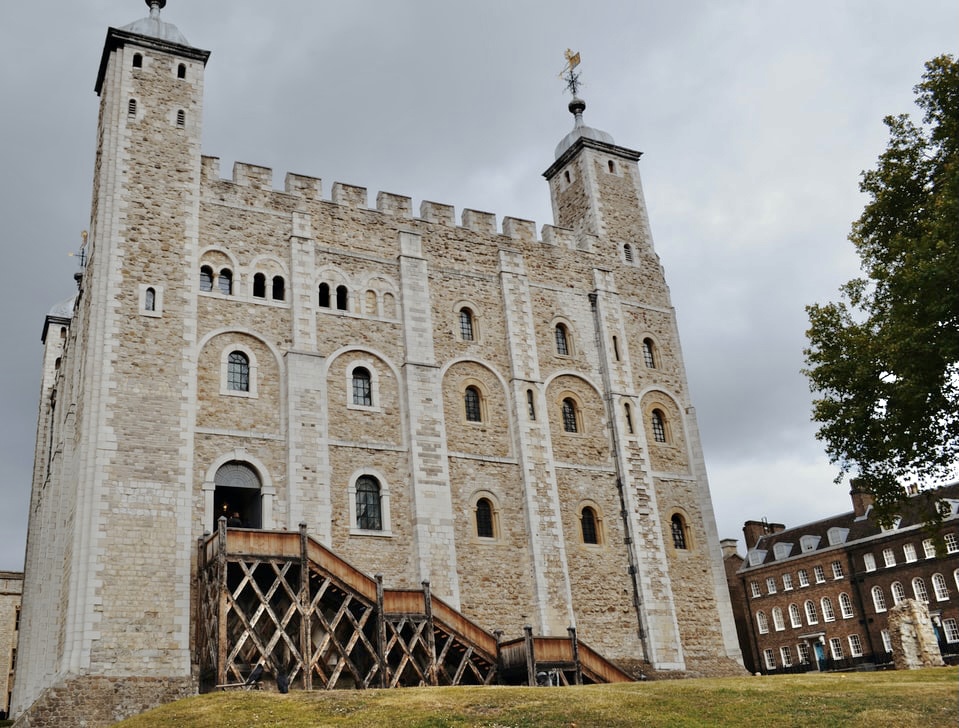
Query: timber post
[530, 661]
[574, 641]
[199, 639]
[498, 634]
[221, 640]
[430, 635]
[381, 633]
[306, 622]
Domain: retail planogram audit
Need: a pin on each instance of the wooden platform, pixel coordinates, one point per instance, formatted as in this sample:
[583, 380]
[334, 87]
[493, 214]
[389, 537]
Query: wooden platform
[282, 600]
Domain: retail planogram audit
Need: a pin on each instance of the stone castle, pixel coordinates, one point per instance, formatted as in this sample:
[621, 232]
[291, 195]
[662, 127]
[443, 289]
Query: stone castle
[502, 414]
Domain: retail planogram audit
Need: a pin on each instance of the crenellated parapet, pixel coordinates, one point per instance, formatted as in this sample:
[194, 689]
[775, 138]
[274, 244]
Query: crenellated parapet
[310, 189]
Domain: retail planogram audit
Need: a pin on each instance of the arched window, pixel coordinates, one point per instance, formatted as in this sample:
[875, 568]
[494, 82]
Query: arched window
[259, 286]
[678, 528]
[150, 300]
[845, 606]
[224, 282]
[778, 623]
[659, 425]
[530, 404]
[181, 118]
[898, 592]
[324, 301]
[762, 622]
[811, 616]
[279, 288]
[795, 618]
[629, 418]
[649, 355]
[569, 416]
[955, 576]
[466, 324]
[371, 307]
[132, 108]
[628, 252]
[181, 71]
[616, 348]
[828, 613]
[878, 599]
[137, 60]
[562, 340]
[471, 400]
[484, 518]
[939, 587]
[206, 278]
[341, 298]
[368, 511]
[238, 372]
[362, 387]
[589, 525]
[611, 165]
[919, 589]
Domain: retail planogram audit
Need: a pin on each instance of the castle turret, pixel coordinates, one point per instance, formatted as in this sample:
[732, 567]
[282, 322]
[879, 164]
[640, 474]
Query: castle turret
[118, 485]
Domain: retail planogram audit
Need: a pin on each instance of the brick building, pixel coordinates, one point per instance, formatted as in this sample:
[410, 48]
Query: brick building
[501, 414]
[820, 592]
[11, 588]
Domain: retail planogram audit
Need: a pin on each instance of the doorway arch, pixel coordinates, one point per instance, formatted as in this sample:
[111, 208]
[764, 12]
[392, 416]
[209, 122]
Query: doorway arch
[238, 490]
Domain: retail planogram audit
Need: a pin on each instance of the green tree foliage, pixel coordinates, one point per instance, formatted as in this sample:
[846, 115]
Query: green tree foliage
[883, 362]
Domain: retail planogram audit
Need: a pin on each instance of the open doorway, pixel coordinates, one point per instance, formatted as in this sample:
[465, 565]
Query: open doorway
[237, 496]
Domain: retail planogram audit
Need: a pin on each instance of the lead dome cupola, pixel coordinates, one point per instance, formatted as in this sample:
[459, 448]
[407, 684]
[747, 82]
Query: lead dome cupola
[153, 27]
[576, 107]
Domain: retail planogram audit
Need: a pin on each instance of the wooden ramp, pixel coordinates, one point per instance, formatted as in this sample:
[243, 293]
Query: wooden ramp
[281, 600]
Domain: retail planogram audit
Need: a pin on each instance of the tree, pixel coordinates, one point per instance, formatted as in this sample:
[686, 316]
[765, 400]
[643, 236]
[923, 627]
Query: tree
[883, 362]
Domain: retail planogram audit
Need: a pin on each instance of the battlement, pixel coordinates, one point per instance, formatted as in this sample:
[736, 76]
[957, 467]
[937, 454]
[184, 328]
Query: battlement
[259, 178]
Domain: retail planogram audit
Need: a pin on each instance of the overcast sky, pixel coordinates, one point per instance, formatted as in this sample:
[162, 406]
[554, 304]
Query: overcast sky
[755, 118]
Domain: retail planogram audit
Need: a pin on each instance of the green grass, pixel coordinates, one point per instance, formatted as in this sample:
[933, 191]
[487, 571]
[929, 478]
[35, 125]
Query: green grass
[920, 698]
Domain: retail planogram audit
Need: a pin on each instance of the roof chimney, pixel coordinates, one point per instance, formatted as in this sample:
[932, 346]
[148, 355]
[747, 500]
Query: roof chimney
[730, 547]
[755, 530]
[862, 499]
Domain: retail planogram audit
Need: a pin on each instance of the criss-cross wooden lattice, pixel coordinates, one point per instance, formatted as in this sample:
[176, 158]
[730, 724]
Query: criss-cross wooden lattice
[282, 601]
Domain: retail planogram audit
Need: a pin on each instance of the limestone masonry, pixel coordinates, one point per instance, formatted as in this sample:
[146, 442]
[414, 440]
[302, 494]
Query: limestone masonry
[503, 414]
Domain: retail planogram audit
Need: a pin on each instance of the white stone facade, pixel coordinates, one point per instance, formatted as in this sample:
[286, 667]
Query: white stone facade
[11, 588]
[139, 415]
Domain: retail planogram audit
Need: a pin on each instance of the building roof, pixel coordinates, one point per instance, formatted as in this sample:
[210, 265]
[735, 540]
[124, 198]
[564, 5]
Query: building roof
[580, 130]
[845, 528]
[151, 26]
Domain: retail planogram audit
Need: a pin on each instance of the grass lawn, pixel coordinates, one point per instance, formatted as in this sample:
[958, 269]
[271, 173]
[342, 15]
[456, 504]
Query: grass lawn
[920, 698]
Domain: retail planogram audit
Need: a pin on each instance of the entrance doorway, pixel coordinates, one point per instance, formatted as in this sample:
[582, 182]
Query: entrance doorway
[237, 495]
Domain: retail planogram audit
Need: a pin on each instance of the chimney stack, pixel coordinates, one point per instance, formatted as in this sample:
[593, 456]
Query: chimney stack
[730, 547]
[755, 530]
[862, 499]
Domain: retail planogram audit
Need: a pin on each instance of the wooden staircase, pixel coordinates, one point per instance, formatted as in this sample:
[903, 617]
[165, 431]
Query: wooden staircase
[282, 600]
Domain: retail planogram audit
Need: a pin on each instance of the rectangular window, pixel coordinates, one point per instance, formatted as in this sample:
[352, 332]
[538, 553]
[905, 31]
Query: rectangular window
[855, 645]
[952, 543]
[803, 649]
[787, 582]
[819, 573]
[803, 578]
[835, 647]
[754, 586]
[909, 552]
[889, 557]
[836, 570]
[929, 548]
[869, 561]
[951, 629]
[786, 656]
[770, 585]
[770, 658]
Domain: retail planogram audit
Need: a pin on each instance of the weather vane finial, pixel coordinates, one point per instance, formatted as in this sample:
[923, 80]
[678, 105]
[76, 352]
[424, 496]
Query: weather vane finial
[569, 74]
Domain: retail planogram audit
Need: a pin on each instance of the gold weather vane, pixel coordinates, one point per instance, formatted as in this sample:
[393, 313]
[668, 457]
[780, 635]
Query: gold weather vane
[568, 74]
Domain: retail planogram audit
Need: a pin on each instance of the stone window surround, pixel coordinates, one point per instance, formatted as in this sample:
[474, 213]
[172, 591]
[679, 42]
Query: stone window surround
[369, 365]
[224, 370]
[385, 519]
[475, 318]
[687, 531]
[561, 398]
[600, 525]
[267, 489]
[483, 392]
[496, 509]
[157, 311]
